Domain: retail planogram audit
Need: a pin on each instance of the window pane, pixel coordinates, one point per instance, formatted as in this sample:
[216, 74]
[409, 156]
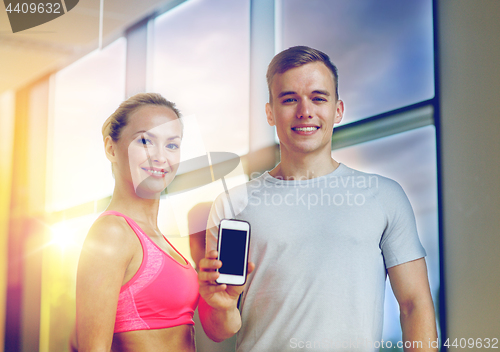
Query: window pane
[201, 62]
[7, 118]
[383, 49]
[60, 262]
[410, 159]
[85, 94]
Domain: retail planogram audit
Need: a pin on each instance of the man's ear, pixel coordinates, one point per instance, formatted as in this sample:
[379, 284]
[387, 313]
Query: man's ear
[110, 149]
[339, 113]
[269, 114]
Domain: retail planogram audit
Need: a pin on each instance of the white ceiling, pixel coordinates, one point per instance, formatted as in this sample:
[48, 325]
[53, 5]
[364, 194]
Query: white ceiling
[31, 54]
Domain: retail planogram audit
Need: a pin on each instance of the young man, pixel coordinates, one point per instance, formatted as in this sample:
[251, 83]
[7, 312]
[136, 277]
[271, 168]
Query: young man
[324, 236]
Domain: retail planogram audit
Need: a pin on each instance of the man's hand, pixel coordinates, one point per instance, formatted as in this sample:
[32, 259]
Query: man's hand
[218, 310]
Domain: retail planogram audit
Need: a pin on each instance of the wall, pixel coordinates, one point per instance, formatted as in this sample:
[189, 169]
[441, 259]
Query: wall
[7, 102]
[470, 125]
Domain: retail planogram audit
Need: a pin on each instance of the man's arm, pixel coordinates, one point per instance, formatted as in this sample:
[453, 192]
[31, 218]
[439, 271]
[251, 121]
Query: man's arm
[219, 314]
[411, 288]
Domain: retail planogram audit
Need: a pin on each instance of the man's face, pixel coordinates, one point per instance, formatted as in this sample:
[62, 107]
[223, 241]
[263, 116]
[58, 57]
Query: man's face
[304, 108]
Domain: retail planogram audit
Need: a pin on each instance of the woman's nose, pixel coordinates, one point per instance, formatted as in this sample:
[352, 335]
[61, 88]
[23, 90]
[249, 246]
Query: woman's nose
[159, 156]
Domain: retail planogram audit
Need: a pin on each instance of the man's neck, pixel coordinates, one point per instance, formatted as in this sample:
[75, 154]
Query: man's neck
[303, 166]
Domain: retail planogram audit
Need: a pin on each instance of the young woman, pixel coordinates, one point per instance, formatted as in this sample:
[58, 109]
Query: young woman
[135, 291]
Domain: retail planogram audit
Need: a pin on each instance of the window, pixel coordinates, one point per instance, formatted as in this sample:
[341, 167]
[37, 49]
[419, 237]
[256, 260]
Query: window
[383, 49]
[410, 159]
[60, 262]
[201, 62]
[84, 95]
[199, 58]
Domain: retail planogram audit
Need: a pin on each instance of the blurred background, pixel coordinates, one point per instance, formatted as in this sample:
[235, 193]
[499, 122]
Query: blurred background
[419, 80]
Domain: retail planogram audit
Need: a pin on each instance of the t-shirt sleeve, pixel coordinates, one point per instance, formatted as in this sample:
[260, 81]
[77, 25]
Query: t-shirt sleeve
[400, 242]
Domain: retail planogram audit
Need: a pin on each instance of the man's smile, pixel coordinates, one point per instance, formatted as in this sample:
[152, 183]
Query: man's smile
[305, 129]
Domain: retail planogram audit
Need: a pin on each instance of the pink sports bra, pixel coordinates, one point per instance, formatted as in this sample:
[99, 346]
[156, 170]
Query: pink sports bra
[162, 294]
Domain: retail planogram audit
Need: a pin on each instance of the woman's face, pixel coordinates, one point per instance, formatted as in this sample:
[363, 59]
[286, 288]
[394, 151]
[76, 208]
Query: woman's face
[149, 149]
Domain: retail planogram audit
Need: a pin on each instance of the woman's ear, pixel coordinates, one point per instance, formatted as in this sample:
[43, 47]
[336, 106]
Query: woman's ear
[110, 149]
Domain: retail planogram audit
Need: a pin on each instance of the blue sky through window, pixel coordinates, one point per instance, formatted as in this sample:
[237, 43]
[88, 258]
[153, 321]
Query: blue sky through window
[383, 49]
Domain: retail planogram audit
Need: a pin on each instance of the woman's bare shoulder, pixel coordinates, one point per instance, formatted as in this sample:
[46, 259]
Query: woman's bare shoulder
[110, 232]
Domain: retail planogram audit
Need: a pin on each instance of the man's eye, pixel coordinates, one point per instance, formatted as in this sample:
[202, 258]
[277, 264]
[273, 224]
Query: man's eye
[289, 100]
[319, 99]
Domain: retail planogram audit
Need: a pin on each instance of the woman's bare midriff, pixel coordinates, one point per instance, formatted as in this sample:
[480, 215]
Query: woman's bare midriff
[175, 339]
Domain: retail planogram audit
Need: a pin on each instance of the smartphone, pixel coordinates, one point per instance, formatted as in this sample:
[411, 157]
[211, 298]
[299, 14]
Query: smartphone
[233, 244]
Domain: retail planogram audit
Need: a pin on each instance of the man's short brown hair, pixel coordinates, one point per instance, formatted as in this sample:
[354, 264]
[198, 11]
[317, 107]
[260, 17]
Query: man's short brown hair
[297, 56]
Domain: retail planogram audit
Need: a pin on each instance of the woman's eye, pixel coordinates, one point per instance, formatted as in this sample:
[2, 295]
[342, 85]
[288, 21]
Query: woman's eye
[173, 146]
[144, 141]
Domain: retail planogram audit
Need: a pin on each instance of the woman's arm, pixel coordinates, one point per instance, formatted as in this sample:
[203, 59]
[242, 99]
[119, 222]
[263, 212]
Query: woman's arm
[219, 314]
[106, 253]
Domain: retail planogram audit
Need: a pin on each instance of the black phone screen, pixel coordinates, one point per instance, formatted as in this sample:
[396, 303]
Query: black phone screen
[232, 251]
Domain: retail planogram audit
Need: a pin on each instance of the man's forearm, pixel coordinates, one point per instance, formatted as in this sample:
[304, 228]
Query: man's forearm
[419, 328]
[219, 325]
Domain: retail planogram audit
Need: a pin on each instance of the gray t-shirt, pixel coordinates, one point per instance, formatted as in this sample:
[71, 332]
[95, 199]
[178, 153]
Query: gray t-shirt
[321, 248]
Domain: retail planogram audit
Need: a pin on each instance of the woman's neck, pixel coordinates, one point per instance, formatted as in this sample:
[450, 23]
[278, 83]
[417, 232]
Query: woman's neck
[126, 201]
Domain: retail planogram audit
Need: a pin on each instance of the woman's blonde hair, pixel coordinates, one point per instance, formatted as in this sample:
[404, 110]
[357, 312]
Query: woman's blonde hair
[114, 125]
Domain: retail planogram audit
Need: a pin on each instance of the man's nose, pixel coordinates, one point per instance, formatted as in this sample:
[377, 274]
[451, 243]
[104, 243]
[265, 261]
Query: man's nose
[304, 109]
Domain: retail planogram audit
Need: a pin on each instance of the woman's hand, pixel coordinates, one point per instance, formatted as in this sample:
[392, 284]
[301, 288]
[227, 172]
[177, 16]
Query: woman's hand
[218, 310]
[218, 296]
